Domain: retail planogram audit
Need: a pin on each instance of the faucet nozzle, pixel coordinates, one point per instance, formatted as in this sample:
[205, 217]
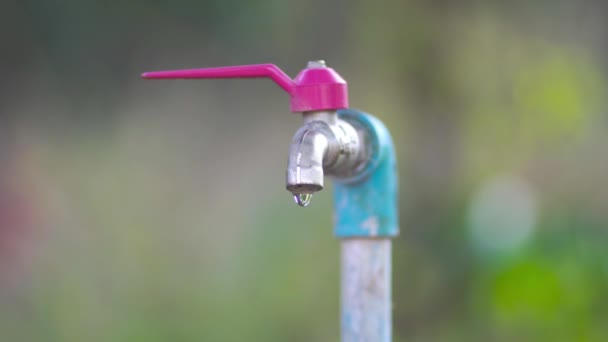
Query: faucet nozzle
[323, 145]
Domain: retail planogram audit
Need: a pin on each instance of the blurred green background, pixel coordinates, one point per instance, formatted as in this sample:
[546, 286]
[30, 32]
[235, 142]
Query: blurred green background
[133, 210]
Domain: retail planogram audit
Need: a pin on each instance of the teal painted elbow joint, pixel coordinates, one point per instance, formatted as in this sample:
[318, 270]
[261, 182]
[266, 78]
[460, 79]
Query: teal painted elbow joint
[366, 205]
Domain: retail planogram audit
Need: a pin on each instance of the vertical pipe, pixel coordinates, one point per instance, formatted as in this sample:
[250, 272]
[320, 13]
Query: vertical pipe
[366, 290]
[366, 218]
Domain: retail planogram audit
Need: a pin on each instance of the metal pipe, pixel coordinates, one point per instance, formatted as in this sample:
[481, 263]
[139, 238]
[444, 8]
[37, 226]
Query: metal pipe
[357, 151]
[366, 218]
[366, 290]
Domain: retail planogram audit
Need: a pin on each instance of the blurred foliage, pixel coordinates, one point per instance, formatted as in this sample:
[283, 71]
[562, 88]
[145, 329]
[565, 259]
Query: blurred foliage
[137, 211]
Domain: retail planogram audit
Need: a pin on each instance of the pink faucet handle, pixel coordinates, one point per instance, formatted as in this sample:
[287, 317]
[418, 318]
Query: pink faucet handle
[240, 71]
[315, 88]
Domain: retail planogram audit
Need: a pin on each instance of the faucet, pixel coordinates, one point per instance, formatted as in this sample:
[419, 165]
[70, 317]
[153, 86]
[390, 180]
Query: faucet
[357, 151]
[324, 145]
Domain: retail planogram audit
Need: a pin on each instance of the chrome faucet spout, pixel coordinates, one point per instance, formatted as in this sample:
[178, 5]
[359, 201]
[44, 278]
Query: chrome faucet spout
[323, 145]
[308, 152]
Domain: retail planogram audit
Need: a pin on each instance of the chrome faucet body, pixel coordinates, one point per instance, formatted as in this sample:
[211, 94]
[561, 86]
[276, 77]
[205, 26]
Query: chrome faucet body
[324, 145]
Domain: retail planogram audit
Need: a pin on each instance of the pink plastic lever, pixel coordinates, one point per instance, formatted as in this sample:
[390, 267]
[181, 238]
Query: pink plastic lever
[315, 88]
[241, 71]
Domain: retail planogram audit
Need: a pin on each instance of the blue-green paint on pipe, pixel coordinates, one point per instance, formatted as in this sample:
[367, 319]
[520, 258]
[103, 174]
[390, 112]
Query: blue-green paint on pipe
[366, 205]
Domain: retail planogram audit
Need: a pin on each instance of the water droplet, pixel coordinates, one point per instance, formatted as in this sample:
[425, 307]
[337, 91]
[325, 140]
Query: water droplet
[303, 199]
